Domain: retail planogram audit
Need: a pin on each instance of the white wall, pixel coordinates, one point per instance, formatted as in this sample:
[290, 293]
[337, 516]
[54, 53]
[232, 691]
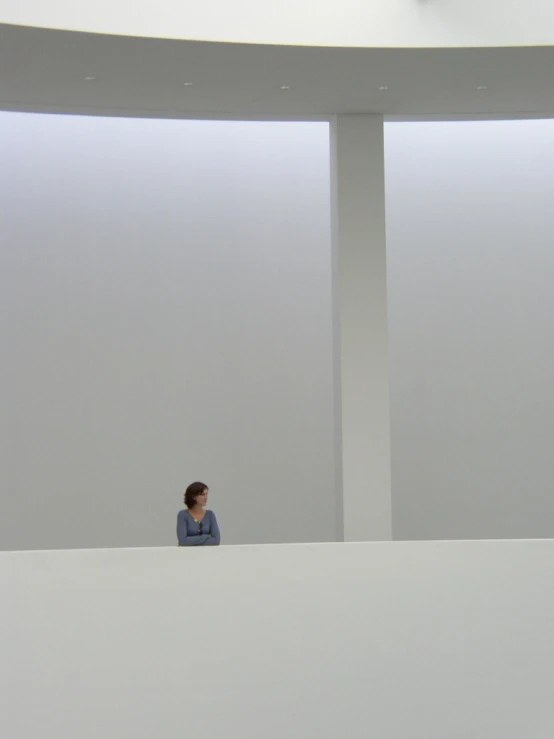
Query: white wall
[380, 23]
[166, 293]
[470, 230]
[359, 244]
[391, 641]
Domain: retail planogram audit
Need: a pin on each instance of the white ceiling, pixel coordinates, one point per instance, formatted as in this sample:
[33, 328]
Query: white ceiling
[45, 70]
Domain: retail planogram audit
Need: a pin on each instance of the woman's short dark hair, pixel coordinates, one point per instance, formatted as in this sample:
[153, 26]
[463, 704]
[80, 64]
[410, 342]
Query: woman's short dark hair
[192, 492]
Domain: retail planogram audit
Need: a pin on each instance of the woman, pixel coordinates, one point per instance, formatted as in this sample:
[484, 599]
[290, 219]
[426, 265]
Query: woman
[195, 525]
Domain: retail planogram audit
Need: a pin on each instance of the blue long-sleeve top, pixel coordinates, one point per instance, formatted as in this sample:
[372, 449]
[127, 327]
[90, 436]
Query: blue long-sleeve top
[192, 533]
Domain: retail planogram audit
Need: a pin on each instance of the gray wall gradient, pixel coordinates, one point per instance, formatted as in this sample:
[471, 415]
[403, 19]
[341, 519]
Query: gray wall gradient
[166, 291]
[470, 229]
[166, 309]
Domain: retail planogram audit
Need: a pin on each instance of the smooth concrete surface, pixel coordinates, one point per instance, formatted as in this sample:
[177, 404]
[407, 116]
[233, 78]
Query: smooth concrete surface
[428, 640]
[360, 297]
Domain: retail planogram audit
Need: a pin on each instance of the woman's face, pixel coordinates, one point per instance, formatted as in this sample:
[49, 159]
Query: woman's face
[202, 499]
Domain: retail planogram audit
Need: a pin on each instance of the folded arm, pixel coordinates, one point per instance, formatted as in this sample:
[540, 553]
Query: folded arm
[183, 537]
[214, 538]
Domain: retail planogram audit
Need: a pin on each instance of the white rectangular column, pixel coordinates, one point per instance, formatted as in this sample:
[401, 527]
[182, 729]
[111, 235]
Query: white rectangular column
[360, 295]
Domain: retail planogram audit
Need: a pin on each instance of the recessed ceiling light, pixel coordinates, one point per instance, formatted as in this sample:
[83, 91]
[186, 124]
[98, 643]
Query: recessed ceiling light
[285, 87]
[482, 87]
[187, 84]
[383, 88]
[89, 79]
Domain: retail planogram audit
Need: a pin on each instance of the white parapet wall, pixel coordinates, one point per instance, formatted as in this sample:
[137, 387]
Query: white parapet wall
[429, 640]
